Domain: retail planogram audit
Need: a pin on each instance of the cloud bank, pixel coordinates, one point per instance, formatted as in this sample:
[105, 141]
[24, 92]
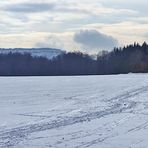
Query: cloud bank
[92, 39]
[30, 7]
[27, 23]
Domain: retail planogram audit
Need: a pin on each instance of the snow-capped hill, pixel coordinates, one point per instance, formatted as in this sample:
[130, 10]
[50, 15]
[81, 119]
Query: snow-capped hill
[44, 52]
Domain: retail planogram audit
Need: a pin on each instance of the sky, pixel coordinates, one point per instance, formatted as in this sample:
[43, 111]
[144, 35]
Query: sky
[86, 25]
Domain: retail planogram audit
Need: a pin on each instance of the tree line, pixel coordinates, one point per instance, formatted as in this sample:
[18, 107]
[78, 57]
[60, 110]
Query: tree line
[132, 58]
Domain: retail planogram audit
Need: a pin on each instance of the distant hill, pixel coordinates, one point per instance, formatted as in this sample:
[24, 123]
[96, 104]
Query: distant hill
[128, 59]
[43, 52]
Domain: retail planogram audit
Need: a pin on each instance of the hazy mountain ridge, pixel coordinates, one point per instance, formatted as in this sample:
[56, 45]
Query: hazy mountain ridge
[43, 52]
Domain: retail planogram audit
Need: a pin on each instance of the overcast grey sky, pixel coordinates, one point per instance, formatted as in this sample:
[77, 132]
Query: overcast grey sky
[90, 25]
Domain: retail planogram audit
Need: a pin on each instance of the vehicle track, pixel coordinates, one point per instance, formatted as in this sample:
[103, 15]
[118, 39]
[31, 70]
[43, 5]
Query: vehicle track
[120, 103]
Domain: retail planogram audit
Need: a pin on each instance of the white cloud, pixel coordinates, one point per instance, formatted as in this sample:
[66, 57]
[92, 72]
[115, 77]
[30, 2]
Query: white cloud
[94, 40]
[30, 22]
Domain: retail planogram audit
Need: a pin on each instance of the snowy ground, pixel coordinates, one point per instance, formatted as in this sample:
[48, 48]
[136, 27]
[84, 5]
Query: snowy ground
[74, 112]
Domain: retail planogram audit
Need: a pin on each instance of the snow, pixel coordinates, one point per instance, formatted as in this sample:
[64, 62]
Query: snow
[74, 112]
[38, 52]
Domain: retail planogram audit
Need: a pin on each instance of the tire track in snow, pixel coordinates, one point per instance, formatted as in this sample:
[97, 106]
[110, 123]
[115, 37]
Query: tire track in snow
[12, 137]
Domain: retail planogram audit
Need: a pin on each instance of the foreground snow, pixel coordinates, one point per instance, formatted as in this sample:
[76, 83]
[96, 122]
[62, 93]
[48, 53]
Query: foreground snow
[74, 112]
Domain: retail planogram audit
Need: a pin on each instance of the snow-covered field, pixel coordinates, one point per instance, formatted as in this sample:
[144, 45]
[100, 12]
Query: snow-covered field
[74, 112]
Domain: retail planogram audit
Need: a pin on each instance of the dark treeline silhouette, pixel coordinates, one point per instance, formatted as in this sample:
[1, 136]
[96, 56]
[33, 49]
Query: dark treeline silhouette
[133, 58]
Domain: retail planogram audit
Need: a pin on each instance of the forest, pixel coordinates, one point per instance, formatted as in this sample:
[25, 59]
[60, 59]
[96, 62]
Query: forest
[130, 59]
